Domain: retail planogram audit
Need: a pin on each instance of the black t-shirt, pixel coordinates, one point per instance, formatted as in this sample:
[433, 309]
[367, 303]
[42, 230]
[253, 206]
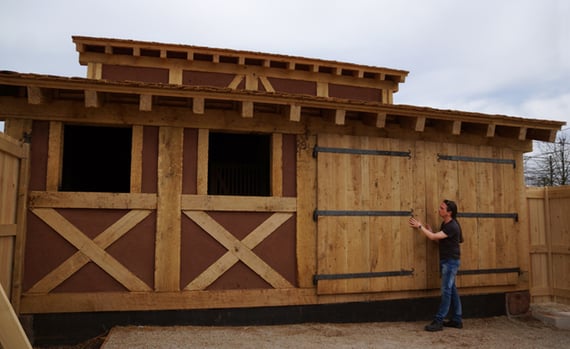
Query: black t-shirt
[449, 247]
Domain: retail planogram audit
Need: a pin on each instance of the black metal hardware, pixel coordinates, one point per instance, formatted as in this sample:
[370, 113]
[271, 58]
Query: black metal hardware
[340, 213]
[317, 149]
[489, 271]
[476, 159]
[514, 216]
[318, 277]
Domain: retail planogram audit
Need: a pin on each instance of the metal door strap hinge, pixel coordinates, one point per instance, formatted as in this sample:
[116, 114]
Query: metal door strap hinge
[476, 159]
[514, 216]
[489, 271]
[317, 149]
[318, 277]
[340, 213]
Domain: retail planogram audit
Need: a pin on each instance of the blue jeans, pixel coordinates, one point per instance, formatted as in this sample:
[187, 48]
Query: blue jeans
[449, 296]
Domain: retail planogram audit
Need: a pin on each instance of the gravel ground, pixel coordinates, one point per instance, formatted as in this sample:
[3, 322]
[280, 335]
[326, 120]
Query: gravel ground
[497, 332]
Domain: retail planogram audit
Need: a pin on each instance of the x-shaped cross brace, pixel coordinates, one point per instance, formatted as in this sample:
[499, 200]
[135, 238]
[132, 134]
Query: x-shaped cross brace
[90, 250]
[238, 250]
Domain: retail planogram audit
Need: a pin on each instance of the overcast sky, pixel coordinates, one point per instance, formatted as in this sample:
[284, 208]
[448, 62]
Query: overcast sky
[509, 57]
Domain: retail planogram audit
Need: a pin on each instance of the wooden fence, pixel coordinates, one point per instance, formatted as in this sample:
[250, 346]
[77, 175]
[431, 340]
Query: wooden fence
[13, 178]
[549, 219]
[14, 162]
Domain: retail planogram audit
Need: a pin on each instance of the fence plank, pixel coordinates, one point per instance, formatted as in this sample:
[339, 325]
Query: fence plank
[12, 334]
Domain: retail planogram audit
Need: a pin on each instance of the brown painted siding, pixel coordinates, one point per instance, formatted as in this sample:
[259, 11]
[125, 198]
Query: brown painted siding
[135, 250]
[122, 73]
[189, 177]
[197, 78]
[38, 155]
[356, 93]
[150, 160]
[289, 165]
[294, 86]
[200, 250]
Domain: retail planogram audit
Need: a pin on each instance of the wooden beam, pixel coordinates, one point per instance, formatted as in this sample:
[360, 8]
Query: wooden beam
[94, 71]
[251, 82]
[247, 109]
[339, 117]
[198, 105]
[175, 76]
[490, 131]
[322, 89]
[8, 230]
[168, 229]
[522, 133]
[456, 128]
[145, 102]
[92, 99]
[306, 228]
[294, 112]
[206, 202]
[420, 124]
[36, 95]
[55, 153]
[236, 81]
[381, 120]
[92, 200]
[377, 120]
[552, 137]
[266, 84]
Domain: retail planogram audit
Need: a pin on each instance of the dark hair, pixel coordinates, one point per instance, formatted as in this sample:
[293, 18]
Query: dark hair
[451, 207]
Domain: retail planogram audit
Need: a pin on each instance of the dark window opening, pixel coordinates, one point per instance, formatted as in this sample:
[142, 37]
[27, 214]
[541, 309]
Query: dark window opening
[96, 159]
[239, 164]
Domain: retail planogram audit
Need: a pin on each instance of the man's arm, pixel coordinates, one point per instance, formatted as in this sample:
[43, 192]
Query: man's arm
[427, 230]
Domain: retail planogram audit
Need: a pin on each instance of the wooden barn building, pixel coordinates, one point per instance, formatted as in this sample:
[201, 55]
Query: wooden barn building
[185, 178]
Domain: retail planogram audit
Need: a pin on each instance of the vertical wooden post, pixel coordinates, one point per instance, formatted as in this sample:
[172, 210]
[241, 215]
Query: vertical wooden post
[168, 230]
[202, 162]
[54, 155]
[306, 204]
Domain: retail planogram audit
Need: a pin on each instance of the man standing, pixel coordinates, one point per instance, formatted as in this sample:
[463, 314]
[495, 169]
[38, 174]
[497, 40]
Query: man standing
[449, 237]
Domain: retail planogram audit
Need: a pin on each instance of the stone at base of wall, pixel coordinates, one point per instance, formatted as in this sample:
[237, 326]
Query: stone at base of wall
[553, 314]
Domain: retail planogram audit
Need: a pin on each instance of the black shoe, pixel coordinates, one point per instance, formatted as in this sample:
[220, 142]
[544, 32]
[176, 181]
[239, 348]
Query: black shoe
[454, 324]
[434, 326]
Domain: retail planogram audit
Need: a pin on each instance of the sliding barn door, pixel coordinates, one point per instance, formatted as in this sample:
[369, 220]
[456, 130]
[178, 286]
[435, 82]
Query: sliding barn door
[364, 203]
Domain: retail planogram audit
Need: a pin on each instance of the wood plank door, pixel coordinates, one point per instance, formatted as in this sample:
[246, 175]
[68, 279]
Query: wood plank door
[487, 199]
[364, 189]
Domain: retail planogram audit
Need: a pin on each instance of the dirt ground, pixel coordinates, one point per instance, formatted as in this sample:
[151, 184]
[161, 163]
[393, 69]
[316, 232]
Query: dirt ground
[497, 332]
